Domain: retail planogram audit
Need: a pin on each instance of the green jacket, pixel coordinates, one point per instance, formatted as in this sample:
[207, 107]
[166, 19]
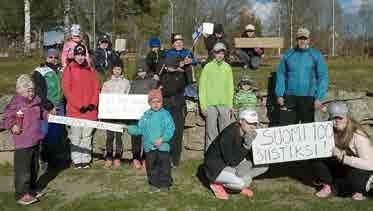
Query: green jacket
[216, 85]
[53, 81]
[244, 100]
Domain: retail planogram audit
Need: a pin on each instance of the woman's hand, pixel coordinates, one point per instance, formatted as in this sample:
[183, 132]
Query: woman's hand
[16, 130]
[339, 154]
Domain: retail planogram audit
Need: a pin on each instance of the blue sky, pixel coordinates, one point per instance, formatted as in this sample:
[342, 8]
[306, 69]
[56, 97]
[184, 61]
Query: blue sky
[263, 8]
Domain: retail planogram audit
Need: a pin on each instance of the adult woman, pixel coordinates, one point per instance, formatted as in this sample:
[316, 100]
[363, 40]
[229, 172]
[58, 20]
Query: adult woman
[349, 171]
[227, 163]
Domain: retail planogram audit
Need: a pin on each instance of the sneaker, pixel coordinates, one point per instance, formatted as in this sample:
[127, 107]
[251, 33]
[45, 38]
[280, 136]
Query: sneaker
[326, 191]
[153, 189]
[117, 163]
[219, 191]
[358, 197]
[108, 163]
[86, 165]
[247, 192]
[369, 185]
[38, 193]
[77, 165]
[136, 164]
[27, 199]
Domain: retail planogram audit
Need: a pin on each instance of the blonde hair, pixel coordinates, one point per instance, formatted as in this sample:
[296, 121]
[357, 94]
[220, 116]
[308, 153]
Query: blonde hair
[343, 138]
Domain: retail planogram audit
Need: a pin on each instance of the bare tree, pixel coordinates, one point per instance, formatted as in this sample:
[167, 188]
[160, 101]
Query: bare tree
[27, 35]
[67, 9]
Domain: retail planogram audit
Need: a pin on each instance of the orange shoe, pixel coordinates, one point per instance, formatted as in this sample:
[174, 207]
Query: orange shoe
[108, 163]
[219, 191]
[136, 164]
[116, 163]
[247, 192]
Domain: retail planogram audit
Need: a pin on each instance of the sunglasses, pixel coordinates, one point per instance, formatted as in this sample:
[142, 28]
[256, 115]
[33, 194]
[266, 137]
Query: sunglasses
[53, 57]
[250, 31]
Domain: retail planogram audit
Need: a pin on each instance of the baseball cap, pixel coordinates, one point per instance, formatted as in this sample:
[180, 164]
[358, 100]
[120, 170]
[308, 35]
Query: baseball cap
[249, 115]
[337, 109]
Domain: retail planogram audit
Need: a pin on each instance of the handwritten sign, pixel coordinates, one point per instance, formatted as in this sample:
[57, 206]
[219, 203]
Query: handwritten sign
[294, 142]
[122, 106]
[120, 45]
[208, 28]
[86, 123]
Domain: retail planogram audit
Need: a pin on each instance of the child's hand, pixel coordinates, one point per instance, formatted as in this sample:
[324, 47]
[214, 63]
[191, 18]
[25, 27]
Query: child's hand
[16, 130]
[158, 143]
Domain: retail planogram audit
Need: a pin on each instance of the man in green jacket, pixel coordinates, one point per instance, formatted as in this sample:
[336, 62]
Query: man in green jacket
[216, 94]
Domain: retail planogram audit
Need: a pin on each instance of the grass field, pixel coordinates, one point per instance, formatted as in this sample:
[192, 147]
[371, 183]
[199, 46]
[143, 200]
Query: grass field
[283, 188]
[126, 189]
[355, 74]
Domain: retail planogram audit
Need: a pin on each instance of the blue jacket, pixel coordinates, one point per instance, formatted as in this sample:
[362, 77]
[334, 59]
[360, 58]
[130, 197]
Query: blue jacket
[152, 126]
[302, 72]
[183, 53]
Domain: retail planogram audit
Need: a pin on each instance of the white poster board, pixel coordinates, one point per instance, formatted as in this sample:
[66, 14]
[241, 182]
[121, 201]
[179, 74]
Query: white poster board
[85, 123]
[208, 28]
[120, 45]
[122, 106]
[294, 142]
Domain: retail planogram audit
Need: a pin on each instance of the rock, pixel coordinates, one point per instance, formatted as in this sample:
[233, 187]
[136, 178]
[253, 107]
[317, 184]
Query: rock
[4, 100]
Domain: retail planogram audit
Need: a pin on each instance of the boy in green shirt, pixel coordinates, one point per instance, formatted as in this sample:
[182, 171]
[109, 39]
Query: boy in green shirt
[215, 92]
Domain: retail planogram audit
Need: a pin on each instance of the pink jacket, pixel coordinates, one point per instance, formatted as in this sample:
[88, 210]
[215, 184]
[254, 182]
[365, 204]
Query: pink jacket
[362, 148]
[68, 53]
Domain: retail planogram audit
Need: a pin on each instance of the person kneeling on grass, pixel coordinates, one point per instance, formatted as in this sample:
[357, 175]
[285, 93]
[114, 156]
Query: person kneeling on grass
[157, 128]
[228, 161]
[350, 171]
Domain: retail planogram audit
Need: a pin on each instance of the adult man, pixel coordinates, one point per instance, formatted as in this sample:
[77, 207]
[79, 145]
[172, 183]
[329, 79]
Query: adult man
[81, 89]
[174, 79]
[216, 91]
[211, 40]
[302, 82]
[250, 56]
[105, 57]
[47, 78]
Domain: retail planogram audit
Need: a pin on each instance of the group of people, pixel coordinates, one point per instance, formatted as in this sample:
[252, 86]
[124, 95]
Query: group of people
[231, 118]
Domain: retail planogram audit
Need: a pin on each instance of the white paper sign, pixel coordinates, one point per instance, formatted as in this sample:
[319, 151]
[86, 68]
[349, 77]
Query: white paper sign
[122, 106]
[294, 142]
[120, 45]
[86, 123]
[208, 28]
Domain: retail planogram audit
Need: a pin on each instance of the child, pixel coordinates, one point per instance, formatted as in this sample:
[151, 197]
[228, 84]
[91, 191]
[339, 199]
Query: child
[22, 117]
[157, 128]
[245, 97]
[81, 89]
[118, 85]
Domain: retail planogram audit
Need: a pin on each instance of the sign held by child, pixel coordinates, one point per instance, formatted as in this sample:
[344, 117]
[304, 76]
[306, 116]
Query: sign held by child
[122, 106]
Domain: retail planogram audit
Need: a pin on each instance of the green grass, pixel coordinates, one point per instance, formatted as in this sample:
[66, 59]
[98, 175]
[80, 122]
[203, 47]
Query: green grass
[353, 74]
[126, 189]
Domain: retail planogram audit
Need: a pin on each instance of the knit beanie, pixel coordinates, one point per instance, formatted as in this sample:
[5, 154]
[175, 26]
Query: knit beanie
[155, 94]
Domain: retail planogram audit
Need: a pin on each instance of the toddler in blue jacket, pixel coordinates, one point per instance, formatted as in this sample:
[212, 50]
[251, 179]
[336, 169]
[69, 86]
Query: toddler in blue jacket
[157, 128]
